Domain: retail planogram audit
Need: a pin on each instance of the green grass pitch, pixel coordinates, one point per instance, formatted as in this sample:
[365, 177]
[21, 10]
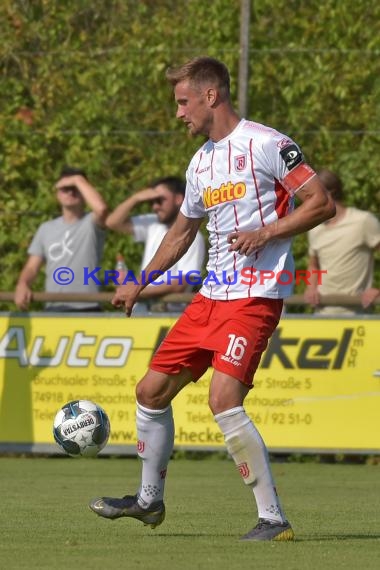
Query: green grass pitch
[45, 522]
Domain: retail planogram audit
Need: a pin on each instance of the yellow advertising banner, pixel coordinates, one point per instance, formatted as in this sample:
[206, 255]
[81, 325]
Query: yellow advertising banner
[317, 387]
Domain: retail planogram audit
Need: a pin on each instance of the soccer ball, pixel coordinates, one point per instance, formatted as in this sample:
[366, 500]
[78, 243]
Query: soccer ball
[81, 428]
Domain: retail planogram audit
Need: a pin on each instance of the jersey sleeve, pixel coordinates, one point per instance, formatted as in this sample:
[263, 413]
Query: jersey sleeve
[286, 162]
[192, 205]
[141, 225]
[37, 244]
[311, 244]
[371, 231]
[99, 230]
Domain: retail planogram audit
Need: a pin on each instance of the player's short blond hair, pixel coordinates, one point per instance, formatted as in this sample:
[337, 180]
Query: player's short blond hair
[201, 71]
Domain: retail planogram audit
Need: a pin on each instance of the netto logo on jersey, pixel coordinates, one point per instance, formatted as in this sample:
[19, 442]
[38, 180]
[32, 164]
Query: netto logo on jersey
[225, 193]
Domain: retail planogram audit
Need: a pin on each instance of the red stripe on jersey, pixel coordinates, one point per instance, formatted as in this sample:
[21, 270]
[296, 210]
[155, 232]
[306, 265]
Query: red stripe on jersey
[282, 199]
[227, 292]
[251, 282]
[217, 238]
[297, 178]
[199, 162]
[255, 182]
[229, 284]
[236, 230]
[234, 253]
[229, 157]
[236, 219]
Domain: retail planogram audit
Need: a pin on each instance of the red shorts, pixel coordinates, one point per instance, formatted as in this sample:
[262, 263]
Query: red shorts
[230, 336]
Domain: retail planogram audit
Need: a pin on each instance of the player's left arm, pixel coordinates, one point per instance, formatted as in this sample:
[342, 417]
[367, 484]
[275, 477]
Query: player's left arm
[316, 207]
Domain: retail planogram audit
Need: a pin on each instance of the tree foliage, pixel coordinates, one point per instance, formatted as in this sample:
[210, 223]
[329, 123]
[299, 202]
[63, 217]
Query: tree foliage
[83, 84]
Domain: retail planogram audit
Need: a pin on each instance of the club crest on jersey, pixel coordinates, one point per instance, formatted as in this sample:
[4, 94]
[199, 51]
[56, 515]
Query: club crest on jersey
[240, 162]
[225, 193]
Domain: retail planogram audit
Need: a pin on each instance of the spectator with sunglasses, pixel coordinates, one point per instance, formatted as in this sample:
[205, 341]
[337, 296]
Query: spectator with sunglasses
[67, 244]
[165, 196]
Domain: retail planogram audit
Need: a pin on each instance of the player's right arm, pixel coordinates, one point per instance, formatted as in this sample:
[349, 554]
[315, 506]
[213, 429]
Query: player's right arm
[173, 246]
[120, 219]
[23, 293]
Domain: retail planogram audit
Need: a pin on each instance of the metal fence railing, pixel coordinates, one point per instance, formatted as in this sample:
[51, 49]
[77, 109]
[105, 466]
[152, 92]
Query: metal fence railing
[105, 297]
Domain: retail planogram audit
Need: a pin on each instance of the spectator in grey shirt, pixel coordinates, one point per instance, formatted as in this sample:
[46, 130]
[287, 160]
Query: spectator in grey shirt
[72, 241]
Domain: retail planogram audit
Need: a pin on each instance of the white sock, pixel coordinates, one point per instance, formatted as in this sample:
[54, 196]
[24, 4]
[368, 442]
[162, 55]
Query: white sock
[247, 449]
[155, 435]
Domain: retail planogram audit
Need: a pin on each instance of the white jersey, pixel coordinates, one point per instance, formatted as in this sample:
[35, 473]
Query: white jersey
[244, 182]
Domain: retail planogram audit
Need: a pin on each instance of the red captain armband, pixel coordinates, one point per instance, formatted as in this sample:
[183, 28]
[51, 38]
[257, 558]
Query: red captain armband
[297, 177]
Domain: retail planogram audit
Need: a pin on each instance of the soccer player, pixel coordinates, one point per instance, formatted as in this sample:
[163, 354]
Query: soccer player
[244, 178]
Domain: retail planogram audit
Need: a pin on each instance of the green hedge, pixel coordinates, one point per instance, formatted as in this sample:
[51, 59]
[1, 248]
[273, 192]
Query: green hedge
[83, 84]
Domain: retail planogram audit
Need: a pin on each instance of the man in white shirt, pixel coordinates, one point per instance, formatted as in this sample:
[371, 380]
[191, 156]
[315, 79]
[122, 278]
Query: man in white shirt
[166, 197]
[243, 179]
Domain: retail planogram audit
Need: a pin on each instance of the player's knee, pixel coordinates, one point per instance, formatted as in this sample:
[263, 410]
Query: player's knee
[139, 393]
[149, 398]
[218, 403]
[222, 400]
[143, 395]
